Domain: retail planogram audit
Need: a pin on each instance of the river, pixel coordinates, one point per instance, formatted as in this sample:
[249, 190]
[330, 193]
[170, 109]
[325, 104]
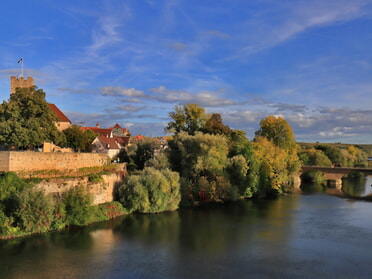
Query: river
[312, 235]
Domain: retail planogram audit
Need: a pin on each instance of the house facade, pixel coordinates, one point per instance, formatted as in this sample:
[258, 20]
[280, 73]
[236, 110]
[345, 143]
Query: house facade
[109, 140]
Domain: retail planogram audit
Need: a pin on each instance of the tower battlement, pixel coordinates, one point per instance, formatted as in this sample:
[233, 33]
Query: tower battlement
[20, 82]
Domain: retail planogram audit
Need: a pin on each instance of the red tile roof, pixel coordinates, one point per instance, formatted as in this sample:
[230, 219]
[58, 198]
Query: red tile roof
[101, 131]
[113, 143]
[60, 115]
[118, 126]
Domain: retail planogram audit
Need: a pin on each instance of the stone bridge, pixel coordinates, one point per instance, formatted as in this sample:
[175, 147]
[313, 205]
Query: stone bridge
[334, 175]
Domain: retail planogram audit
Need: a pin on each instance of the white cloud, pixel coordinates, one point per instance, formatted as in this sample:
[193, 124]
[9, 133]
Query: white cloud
[203, 98]
[285, 20]
[119, 91]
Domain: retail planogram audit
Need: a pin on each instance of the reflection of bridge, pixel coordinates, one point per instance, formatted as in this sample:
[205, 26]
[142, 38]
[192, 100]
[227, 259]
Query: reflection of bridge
[334, 174]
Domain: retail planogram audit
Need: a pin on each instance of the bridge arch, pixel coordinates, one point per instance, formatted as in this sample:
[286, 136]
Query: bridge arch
[334, 175]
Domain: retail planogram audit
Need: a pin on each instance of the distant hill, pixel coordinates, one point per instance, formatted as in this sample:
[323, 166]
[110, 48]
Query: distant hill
[367, 148]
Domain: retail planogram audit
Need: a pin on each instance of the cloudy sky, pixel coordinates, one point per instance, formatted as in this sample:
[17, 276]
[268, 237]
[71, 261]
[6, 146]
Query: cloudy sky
[131, 61]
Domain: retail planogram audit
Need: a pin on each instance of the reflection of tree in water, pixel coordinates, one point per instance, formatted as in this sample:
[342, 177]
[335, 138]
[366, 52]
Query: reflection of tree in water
[214, 228]
[354, 184]
[150, 228]
[313, 187]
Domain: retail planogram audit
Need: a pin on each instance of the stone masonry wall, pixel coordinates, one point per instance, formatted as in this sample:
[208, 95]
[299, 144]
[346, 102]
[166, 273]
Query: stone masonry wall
[101, 192]
[33, 161]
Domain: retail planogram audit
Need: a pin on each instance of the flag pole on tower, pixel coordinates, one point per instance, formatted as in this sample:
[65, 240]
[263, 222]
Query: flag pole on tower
[21, 61]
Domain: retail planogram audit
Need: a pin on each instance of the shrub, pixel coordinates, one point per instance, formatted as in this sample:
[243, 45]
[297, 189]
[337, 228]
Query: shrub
[34, 211]
[151, 191]
[109, 210]
[95, 178]
[6, 225]
[10, 184]
[77, 204]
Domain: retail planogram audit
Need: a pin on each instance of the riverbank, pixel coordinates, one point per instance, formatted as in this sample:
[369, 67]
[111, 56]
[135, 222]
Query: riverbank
[99, 213]
[48, 201]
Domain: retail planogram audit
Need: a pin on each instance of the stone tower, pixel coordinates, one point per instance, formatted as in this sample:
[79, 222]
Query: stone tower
[21, 83]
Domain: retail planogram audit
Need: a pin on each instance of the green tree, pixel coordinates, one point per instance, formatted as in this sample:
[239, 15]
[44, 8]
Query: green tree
[159, 161]
[77, 206]
[77, 139]
[314, 157]
[27, 121]
[34, 212]
[201, 160]
[138, 154]
[10, 185]
[188, 118]
[198, 155]
[237, 170]
[151, 191]
[333, 153]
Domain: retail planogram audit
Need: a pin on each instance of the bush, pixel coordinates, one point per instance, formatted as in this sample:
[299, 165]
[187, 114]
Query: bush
[34, 211]
[78, 206]
[151, 191]
[107, 211]
[6, 225]
[10, 184]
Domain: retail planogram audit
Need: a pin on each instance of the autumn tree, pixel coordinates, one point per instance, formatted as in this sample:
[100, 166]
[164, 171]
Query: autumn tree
[214, 125]
[277, 130]
[357, 156]
[187, 118]
[26, 120]
[276, 149]
[273, 173]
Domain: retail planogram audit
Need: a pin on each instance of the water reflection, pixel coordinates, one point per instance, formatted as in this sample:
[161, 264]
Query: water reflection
[312, 187]
[191, 239]
[357, 185]
[295, 236]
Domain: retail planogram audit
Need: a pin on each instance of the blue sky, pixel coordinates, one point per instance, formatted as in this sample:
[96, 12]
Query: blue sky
[130, 62]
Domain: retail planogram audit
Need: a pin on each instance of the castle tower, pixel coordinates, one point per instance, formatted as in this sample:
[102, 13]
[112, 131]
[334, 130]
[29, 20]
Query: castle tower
[20, 82]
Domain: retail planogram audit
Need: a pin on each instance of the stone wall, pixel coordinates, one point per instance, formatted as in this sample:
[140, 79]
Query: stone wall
[101, 192]
[33, 161]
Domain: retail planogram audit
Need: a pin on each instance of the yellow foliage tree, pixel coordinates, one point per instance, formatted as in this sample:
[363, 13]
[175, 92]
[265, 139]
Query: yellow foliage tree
[273, 161]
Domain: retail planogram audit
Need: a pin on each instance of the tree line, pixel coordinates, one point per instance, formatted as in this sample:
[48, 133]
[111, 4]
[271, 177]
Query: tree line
[205, 161]
[211, 162]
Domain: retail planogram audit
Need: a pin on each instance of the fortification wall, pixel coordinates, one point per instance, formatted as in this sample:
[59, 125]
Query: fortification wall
[102, 191]
[20, 82]
[4, 161]
[33, 161]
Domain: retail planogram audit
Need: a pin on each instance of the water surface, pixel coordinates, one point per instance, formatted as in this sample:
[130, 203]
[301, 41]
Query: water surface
[297, 236]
